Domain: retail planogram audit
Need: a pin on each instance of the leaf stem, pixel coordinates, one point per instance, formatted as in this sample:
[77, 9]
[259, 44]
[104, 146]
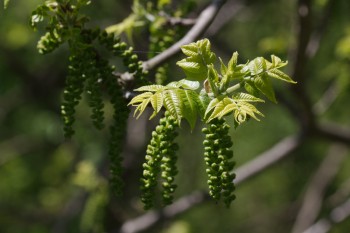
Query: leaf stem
[234, 88]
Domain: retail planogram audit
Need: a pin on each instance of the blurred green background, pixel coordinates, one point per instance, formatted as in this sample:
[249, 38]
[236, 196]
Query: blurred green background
[49, 184]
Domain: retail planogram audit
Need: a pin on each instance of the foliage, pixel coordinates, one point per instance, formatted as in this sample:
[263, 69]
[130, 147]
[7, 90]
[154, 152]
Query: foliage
[218, 98]
[89, 73]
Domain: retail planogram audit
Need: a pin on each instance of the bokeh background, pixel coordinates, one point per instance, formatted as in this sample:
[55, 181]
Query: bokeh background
[49, 184]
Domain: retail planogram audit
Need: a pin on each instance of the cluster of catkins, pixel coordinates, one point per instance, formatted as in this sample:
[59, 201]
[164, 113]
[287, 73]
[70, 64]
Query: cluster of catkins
[160, 160]
[217, 156]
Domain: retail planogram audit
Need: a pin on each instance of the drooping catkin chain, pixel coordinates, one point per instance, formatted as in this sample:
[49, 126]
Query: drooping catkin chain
[160, 159]
[217, 156]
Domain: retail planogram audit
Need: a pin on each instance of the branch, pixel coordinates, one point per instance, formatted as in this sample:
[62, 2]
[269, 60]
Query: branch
[340, 195]
[202, 23]
[333, 132]
[313, 198]
[177, 21]
[299, 60]
[315, 39]
[153, 217]
[230, 10]
[261, 163]
[327, 99]
[270, 157]
[337, 215]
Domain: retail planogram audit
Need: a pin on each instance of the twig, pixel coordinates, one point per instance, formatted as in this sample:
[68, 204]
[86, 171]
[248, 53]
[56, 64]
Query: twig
[203, 21]
[226, 14]
[333, 132]
[315, 39]
[337, 215]
[340, 195]
[313, 198]
[329, 96]
[270, 157]
[152, 217]
[299, 60]
[178, 21]
[243, 173]
[308, 42]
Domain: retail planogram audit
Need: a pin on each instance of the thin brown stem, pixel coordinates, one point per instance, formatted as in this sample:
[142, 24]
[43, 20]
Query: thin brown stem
[202, 23]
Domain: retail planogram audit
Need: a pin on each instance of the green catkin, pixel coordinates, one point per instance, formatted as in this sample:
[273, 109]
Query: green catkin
[169, 158]
[121, 111]
[117, 131]
[130, 59]
[217, 156]
[89, 73]
[73, 90]
[94, 92]
[49, 42]
[160, 159]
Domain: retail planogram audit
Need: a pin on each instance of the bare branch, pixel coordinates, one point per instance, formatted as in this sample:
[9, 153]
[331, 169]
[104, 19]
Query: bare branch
[315, 39]
[203, 21]
[326, 100]
[243, 173]
[340, 195]
[270, 157]
[226, 14]
[152, 217]
[333, 132]
[338, 214]
[178, 21]
[313, 198]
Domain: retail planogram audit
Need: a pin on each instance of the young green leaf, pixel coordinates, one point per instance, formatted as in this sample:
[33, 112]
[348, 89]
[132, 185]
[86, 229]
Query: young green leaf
[141, 101]
[257, 66]
[244, 97]
[251, 89]
[233, 62]
[228, 109]
[211, 106]
[199, 56]
[189, 106]
[275, 73]
[276, 62]
[223, 67]
[219, 108]
[186, 84]
[157, 103]
[240, 108]
[248, 109]
[213, 78]
[152, 88]
[172, 102]
[202, 103]
[262, 82]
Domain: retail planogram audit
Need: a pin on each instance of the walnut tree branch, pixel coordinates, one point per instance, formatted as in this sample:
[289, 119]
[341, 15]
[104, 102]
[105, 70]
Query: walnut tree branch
[334, 132]
[313, 198]
[337, 215]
